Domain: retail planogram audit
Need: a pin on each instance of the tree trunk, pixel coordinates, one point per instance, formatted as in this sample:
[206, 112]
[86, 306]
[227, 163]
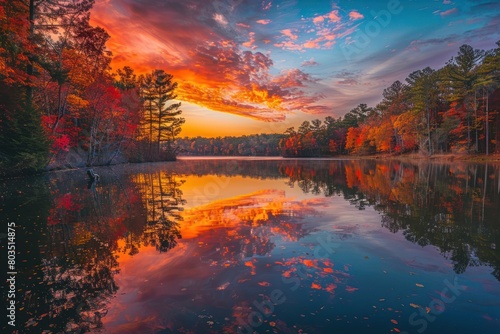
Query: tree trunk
[476, 148]
[487, 126]
[428, 125]
[150, 130]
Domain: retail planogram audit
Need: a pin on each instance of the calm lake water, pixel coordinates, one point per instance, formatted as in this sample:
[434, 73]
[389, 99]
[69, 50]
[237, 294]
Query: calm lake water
[264, 245]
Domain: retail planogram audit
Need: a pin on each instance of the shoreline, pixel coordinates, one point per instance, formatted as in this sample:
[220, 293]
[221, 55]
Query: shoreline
[408, 157]
[442, 157]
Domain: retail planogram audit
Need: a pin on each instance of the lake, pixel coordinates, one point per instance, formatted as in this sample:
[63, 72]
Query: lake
[257, 245]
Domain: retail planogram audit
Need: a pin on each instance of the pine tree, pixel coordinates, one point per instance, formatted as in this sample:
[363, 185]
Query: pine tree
[161, 122]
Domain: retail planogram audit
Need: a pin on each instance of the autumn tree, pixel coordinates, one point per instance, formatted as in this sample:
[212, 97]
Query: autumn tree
[23, 146]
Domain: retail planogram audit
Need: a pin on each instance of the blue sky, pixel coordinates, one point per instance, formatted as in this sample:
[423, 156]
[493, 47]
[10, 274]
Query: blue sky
[261, 66]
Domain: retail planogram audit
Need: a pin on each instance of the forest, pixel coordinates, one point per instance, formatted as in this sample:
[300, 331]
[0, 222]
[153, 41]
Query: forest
[61, 105]
[452, 109]
[251, 145]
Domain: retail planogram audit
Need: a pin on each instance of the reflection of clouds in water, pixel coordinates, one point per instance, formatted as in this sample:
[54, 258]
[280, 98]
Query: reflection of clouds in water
[218, 239]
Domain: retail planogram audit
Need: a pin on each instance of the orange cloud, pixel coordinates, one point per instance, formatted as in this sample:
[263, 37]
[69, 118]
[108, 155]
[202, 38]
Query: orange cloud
[354, 15]
[211, 67]
[250, 43]
[334, 16]
[288, 33]
[318, 19]
[264, 22]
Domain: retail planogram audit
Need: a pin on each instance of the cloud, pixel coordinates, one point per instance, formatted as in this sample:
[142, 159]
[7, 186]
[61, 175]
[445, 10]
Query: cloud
[334, 16]
[250, 43]
[449, 12]
[243, 25]
[313, 43]
[204, 49]
[293, 78]
[354, 15]
[239, 82]
[318, 19]
[347, 78]
[308, 63]
[288, 33]
[317, 109]
[348, 82]
[264, 22]
[219, 18]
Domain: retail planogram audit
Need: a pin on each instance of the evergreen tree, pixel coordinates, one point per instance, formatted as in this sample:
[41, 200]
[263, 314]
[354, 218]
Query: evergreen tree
[161, 122]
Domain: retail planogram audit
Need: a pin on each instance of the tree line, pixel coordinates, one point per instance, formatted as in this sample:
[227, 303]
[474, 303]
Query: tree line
[61, 105]
[452, 109]
[250, 145]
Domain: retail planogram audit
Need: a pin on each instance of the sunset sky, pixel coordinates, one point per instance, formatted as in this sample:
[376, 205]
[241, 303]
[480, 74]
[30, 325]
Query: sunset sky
[252, 66]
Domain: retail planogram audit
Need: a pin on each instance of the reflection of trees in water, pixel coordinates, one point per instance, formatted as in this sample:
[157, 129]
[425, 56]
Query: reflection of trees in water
[78, 278]
[79, 263]
[162, 198]
[453, 207]
[66, 264]
[76, 246]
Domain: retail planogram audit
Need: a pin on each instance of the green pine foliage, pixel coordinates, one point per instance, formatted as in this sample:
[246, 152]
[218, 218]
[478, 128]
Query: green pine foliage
[23, 145]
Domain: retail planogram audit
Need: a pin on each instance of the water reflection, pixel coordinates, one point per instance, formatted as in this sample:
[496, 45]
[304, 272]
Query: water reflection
[453, 207]
[255, 227]
[162, 199]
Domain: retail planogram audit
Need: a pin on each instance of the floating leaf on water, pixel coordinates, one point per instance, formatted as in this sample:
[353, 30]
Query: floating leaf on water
[309, 263]
[350, 289]
[316, 286]
[331, 287]
[223, 286]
